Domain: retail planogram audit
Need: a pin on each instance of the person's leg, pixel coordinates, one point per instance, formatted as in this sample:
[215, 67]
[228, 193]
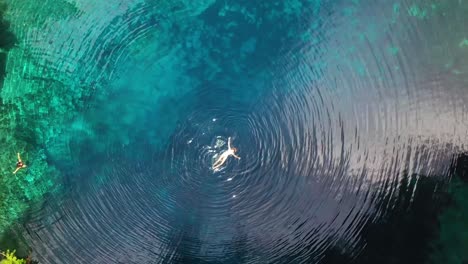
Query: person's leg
[219, 162]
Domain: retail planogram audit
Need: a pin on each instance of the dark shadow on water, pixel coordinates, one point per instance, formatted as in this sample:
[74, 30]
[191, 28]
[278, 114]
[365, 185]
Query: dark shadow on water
[400, 236]
[452, 241]
[7, 38]
[3, 60]
[460, 168]
[7, 41]
[406, 234]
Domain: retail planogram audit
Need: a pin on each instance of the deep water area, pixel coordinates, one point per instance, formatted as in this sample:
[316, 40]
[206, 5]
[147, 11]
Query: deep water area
[349, 117]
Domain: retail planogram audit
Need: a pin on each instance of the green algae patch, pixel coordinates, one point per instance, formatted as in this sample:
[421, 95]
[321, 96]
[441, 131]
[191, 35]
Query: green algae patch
[393, 50]
[418, 12]
[463, 43]
[9, 257]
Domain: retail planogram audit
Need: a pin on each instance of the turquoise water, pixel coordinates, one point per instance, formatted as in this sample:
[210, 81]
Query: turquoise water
[349, 117]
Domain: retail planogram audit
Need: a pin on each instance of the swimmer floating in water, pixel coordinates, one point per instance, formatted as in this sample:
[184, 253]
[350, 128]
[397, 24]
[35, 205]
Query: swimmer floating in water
[19, 165]
[222, 159]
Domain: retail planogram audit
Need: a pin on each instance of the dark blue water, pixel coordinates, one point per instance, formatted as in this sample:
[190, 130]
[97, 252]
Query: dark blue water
[340, 110]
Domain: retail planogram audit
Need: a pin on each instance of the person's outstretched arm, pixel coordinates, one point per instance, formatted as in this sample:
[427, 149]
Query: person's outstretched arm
[235, 156]
[229, 142]
[19, 158]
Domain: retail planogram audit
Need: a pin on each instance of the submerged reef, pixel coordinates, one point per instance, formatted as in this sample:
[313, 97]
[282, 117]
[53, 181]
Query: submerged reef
[18, 135]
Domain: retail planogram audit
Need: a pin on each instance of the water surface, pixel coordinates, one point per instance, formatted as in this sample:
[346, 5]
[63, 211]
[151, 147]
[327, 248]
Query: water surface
[339, 109]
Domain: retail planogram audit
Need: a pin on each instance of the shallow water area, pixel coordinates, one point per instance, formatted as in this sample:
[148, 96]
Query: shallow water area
[341, 111]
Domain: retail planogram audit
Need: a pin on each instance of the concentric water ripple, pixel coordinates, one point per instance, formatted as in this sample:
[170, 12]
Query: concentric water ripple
[288, 179]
